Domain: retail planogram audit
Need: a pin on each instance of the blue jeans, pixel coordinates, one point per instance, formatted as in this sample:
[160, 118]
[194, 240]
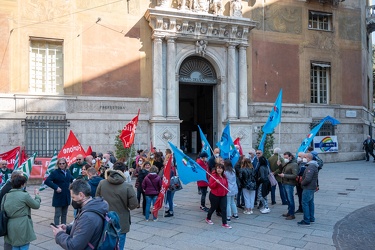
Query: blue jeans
[150, 199]
[289, 191]
[231, 206]
[170, 195]
[24, 247]
[122, 241]
[308, 205]
[261, 198]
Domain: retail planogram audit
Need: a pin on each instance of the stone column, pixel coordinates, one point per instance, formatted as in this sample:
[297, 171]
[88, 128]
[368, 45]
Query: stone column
[232, 82]
[172, 103]
[242, 81]
[157, 78]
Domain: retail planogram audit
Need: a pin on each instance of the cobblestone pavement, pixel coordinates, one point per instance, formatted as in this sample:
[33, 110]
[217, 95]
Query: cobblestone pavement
[356, 230]
[343, 208]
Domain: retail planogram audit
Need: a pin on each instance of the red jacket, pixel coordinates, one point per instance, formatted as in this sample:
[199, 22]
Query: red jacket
[215, 187]
[204, 165]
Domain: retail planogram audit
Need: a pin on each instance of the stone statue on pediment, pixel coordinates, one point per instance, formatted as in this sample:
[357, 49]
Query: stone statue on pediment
[216, 7]
[201, 6]
[164, 3]
[236, 8]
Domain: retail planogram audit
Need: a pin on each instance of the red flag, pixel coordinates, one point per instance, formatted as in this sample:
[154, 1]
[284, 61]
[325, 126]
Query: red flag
[10, 157]
[164, 187]
[71, 149]
[128, 132]
[88, 151]
[237, 143]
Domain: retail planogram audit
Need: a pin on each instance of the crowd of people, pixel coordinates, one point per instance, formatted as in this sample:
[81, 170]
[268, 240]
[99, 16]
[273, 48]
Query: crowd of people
[107, 186]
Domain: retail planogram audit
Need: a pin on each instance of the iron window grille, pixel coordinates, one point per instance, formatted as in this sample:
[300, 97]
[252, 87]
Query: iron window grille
[44, 134]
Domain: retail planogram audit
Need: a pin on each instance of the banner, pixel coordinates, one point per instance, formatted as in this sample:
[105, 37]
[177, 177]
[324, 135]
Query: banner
[10, 157]
[306, 142]
[326, 144]
[188, 170]
[164, 188]
[27, 166]
[71, 149]
[205, 145]
[128, 132]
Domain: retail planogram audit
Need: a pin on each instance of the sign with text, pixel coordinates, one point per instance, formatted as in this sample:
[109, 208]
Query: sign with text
[326, 144]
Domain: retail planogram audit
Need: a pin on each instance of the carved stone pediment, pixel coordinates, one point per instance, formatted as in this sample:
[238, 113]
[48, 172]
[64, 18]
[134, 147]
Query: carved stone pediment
[191, 26]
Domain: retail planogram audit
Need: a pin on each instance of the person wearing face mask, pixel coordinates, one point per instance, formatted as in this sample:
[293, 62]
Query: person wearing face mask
[59, 180]
[276, 162]
[202, 185]
[141, 176]
[211, 161]
[301, 161]
[88, 225]
[289, 173]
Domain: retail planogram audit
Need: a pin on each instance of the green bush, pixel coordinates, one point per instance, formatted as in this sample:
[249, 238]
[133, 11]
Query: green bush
[122, 153]
[268, 145]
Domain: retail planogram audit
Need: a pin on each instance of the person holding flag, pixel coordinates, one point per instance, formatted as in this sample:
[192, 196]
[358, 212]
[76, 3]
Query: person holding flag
[218, 184]
[202, 185]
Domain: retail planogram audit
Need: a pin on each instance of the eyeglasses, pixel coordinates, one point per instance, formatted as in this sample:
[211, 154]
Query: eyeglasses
[4, 164]
[258, 153]
[61, 163]
[79, 159]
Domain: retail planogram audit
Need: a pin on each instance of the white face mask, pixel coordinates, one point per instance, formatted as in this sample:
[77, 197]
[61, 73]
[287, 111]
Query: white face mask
[304, 160]
[216, 155]
[286, 161]
[93, 161]
[299, 159]
[140, 162]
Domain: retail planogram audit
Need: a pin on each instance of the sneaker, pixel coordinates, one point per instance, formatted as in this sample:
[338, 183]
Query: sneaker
[228, 219]
[209, 222]
[312, 221]
[236, 217]
[169, 215]
[303, 223]
[146, 220]
[251, 212]
[205, 209]
[155, 220]
[265, 210]
[226, 226]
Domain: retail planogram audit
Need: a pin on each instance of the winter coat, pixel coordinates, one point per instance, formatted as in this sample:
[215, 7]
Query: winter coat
[216, 188]
[246, 175]
[276, 169]
[94, 182]
[290, 171]
[263, 179]
[310, 176]
[204, 165]
[151, 184]
[141, 175]
[232, 182]
[55, 180]
[120, 196]
[17, 206]
[87, 227]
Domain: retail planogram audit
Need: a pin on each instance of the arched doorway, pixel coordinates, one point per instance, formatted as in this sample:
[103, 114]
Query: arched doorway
[197, 102]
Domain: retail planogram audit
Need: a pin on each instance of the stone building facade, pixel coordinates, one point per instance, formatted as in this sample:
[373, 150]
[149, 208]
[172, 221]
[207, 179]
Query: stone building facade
[88, 66]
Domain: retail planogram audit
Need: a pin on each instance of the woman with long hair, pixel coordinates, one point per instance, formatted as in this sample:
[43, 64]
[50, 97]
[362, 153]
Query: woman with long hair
[264, 184]
[248, 184]
[232, 186]
[218, 184]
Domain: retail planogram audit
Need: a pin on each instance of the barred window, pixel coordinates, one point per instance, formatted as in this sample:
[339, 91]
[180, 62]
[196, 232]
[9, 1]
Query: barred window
[44, 134]
[46, 66]
[319, 80]
[326, 129]
[320, 20]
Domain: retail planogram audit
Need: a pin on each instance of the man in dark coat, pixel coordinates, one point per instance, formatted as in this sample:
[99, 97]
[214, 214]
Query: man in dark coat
[88, 225]
[59, 180]
[368, 146]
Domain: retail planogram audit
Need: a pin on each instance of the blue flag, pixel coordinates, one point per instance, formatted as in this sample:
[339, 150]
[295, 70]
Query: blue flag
[275, 116]
[307, 141]
[234, 155]
[205, 145]
[224, 143]
[188, 169]
[262, 141]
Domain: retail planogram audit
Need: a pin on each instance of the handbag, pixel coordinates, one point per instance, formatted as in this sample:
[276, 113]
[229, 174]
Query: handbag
[175, 184]
[3, 220]
[272, 179]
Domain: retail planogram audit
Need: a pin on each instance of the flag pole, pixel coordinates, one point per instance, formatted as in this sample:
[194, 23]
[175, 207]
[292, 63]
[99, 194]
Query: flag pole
[216, 180]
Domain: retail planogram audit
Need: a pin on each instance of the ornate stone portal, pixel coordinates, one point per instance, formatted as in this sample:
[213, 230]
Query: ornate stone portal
[223, 41]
